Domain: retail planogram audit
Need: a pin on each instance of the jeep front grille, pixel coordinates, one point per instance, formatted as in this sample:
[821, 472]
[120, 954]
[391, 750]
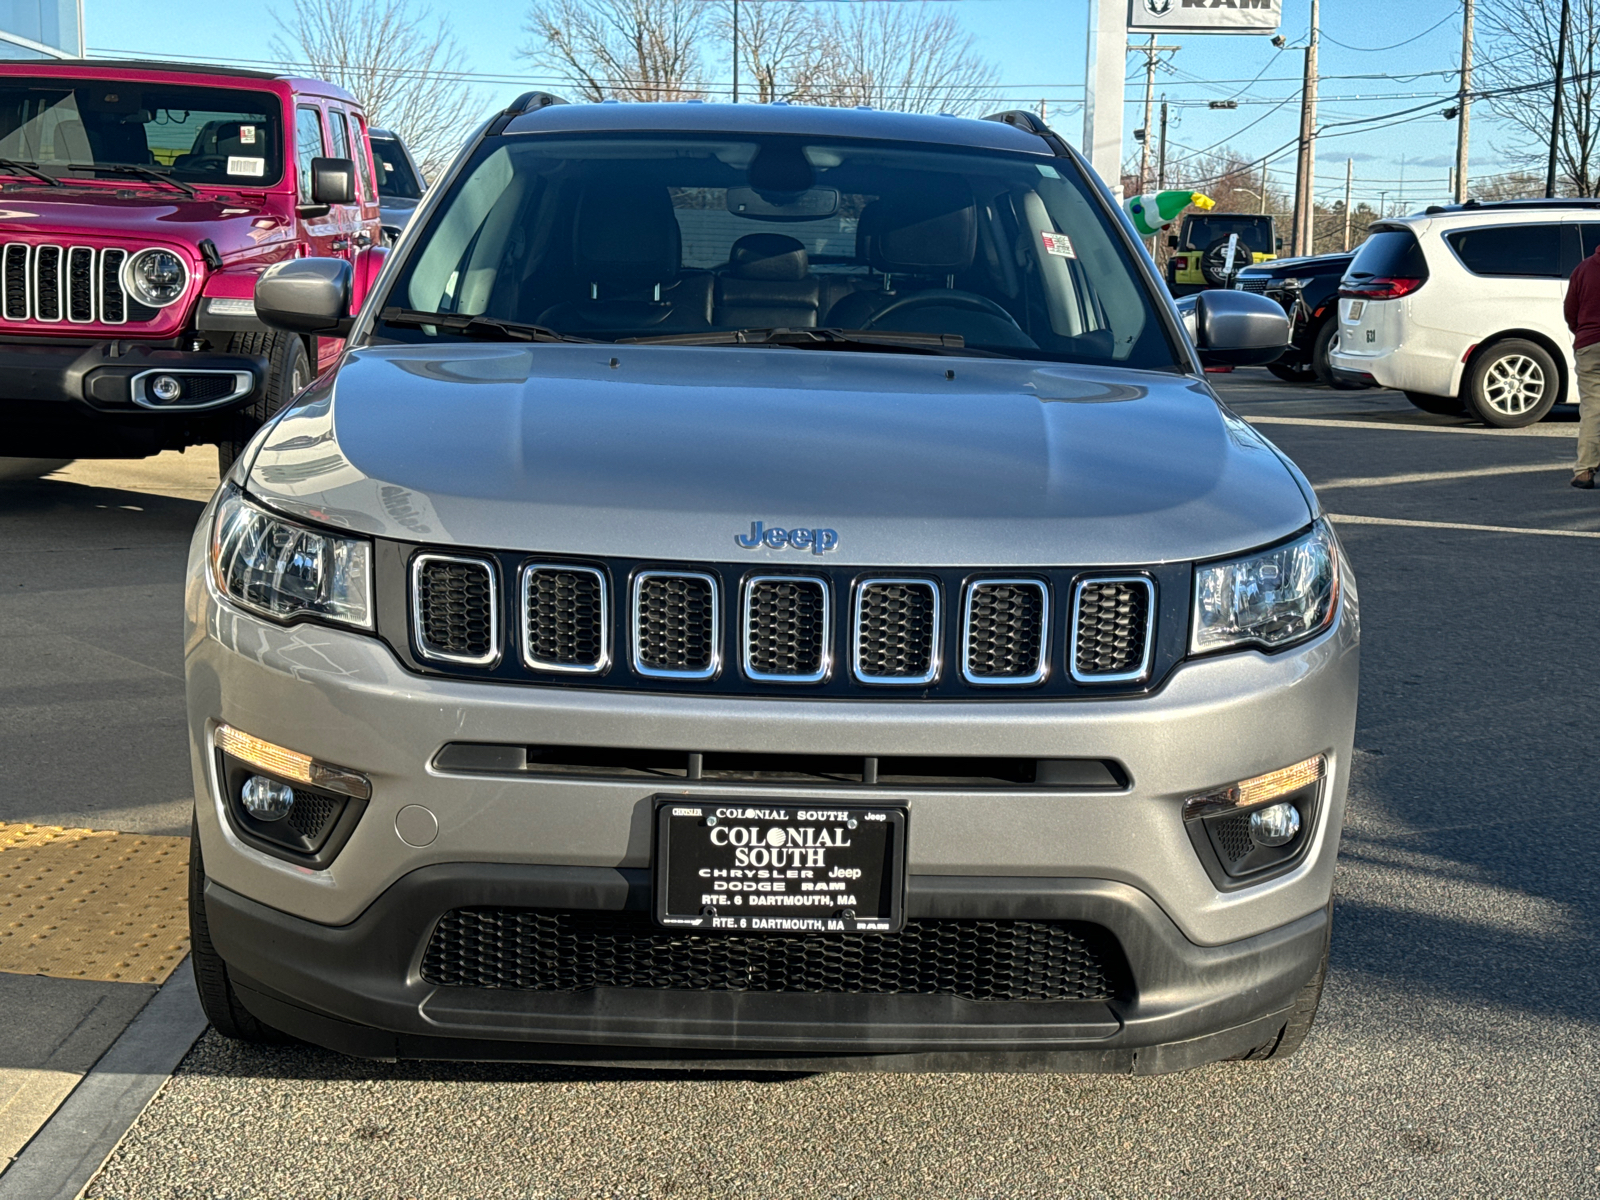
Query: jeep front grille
[677, 626]
[566, 625]
[1007, 626]
[552, 950]
[787, 628]
[1111, 629]
[455, 609]
[80, 285]
[897, 631]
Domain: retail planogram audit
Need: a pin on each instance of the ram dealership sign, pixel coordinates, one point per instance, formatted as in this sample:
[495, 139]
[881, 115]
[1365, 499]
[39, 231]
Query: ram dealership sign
[1204, 16]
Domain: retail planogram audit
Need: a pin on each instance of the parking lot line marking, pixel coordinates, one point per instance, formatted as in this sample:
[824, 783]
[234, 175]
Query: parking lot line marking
[1370, 481]
[89, 904]
[1353, 520]
[1539, 430]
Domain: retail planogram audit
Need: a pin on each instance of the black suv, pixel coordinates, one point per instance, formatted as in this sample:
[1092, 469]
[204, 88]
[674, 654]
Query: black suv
[1308, 289]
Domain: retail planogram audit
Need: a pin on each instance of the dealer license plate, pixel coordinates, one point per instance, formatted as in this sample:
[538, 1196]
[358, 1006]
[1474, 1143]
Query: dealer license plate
[1357, 307]
[762, 867]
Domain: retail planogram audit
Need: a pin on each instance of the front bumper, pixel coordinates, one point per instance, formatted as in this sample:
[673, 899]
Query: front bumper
[88, 399]
[358, 988]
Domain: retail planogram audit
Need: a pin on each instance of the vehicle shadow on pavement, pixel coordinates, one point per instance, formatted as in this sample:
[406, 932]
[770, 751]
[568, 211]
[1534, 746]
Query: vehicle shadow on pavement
[85, 503]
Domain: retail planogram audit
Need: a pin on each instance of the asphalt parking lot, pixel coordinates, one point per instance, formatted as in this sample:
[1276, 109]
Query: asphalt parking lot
[1458, 1049]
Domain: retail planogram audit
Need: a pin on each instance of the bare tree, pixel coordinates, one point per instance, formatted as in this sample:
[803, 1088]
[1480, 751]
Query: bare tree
[620, 49]
[1511, 185]
[782, 47]
[1517, 40]
[910, 57]
[404, 67]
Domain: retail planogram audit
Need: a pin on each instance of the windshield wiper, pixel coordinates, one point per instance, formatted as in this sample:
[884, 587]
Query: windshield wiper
[12, 164]
[805, 337]
[484, 327]
[143, 172]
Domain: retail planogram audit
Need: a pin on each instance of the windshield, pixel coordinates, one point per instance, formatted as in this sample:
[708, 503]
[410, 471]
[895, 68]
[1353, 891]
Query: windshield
[650, 236]
[196, 135]
[396, 179]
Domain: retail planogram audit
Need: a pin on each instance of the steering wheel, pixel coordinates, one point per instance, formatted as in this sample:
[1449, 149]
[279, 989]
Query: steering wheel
[942, 298]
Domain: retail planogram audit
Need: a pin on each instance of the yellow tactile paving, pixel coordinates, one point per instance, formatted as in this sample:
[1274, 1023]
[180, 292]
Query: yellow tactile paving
[89, 904]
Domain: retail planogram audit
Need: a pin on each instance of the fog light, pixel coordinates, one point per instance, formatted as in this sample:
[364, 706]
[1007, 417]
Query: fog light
[1276, 825]
[165, 389]
[268, 800]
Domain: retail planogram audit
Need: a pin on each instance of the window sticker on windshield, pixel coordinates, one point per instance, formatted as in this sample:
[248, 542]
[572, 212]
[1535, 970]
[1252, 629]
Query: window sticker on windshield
[246, 166]
[1058, 244]
[247, 135]
[1048, 171]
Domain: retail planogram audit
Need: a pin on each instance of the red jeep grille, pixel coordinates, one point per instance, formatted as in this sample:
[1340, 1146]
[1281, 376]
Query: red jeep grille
[77, 284]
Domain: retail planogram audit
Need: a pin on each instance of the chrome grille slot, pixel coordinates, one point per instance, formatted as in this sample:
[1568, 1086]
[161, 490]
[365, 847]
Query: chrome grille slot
[455, 609]
[113, 301]
[1005, 631]
[14, 268]
[896, 636]
[565, 619]
[677, 625]
[1111, 626]
[788, 629]
[80, 285]
[47, 283]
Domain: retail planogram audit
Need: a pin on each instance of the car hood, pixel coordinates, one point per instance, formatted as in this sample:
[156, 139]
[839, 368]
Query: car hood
[674, 452]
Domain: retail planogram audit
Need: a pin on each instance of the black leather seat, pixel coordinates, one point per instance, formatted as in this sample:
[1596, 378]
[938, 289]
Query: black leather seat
[922, 241]
[767, 283]
[627, 258]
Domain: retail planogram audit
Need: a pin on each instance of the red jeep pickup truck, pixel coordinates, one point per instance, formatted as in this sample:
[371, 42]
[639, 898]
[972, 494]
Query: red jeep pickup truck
[139, 201]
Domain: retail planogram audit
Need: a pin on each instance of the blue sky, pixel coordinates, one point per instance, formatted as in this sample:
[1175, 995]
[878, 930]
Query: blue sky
[1039, 46]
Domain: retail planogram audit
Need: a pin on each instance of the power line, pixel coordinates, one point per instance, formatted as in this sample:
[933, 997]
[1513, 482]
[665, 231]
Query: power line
[1378, 49]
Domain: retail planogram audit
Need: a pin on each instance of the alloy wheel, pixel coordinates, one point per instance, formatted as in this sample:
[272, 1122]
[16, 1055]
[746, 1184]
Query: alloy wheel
[1514, 385]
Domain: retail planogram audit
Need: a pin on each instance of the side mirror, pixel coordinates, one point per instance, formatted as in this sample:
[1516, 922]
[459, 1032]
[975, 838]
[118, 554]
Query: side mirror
[1172, 240]
[333, 181]
[1232, 329]
[306, 295]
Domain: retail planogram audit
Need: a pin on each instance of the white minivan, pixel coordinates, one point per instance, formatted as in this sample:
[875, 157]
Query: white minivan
[1459, 307]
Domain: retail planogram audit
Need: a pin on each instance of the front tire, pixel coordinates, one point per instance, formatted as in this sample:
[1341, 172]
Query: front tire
[289, 370]
[1512, 384]
[219, 1001]
[1439, 406]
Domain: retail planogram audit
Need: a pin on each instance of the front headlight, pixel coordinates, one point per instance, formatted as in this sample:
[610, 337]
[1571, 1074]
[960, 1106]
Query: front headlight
[155, 278]
[1272, 599]
[284, 570]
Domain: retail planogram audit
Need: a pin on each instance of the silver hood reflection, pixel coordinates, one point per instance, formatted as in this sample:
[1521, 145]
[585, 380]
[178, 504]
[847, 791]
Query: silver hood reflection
[672, 453]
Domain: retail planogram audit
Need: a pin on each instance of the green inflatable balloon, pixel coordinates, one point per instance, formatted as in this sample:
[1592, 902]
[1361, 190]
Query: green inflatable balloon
[1152, 214]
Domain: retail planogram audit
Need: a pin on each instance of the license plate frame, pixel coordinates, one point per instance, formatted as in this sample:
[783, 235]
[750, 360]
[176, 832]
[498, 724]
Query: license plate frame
[1357, 307]
[685, 845]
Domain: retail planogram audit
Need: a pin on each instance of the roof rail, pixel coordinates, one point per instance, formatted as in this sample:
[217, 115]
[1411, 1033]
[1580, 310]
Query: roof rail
[530, 102]
[1434, 210]
[526, 103]
[1020, 118]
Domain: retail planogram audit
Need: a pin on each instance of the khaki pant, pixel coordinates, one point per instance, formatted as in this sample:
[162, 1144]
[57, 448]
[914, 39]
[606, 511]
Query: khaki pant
[1589, 408]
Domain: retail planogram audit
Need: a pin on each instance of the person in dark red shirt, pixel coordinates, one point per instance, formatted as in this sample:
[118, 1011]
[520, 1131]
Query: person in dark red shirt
[1583, 318]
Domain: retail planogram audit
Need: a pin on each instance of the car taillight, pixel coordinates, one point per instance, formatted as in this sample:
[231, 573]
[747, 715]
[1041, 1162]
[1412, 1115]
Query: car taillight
[1381, 288]
[1181, 262]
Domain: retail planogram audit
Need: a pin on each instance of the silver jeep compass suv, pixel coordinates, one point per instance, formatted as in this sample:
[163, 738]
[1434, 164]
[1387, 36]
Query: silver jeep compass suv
[768, 585]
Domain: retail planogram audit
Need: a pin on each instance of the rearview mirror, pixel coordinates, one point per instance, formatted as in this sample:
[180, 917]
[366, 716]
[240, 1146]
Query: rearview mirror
[306, 295]
[1235, 329]
[333, 181]
[810, 205]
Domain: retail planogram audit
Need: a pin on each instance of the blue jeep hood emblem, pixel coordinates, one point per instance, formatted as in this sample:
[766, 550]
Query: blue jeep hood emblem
[818, 541]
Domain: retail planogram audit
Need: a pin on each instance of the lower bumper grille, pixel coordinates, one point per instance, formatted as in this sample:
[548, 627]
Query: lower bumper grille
[533, 949]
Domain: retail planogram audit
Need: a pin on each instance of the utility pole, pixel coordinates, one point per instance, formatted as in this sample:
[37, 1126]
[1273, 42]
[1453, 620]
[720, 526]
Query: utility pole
[1555, 108]
[1464, 103]
[1149, 87]
[1161, 162]
[1263, 196]
[1305, 174]
[1348, 171]
[736, 51]
[1042, 117]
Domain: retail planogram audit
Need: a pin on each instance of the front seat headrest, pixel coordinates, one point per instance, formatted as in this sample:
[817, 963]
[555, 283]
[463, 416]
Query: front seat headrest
[930, 234]
[624, 236]
[768, 256]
